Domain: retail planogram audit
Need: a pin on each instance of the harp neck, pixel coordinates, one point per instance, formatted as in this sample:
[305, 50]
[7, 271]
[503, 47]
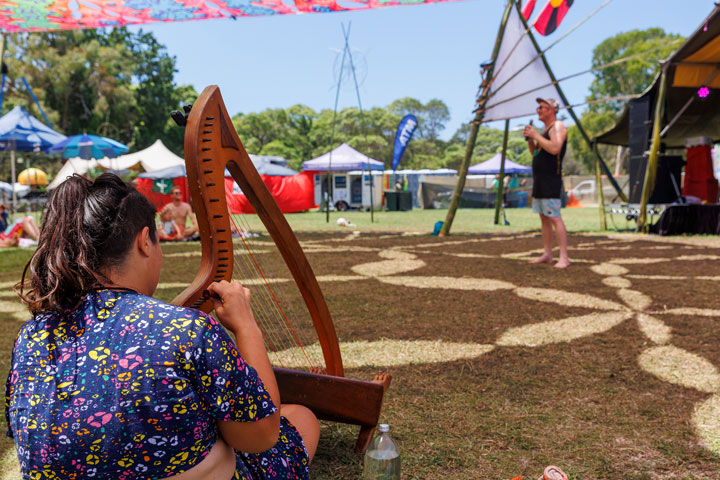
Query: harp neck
[211, 146]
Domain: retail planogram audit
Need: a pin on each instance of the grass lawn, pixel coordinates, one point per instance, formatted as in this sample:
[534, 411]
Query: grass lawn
[608, 369]
[478, 220]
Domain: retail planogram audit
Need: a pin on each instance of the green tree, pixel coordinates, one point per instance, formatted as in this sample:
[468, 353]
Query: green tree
[647, 47]
[431, 117]
[109, 82]
[80, 82]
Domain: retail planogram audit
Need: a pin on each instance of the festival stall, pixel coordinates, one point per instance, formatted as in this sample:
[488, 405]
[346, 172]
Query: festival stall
[292, 191]
[349, 171]
[679, 111]
[156, 157]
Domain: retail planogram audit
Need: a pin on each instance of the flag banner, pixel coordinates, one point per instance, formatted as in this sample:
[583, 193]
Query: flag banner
[43, 15]
[551, 16]
[528, 9]
[516, 84]
[162, 185]
[404, 133]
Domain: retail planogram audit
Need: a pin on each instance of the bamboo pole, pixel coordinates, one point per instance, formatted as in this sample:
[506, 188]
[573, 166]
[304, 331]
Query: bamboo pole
[501, 185]
[651, 170]
[600, 195]
[472, 137]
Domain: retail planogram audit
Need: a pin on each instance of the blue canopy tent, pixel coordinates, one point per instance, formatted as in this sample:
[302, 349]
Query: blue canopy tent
[28, 133]
[492, 166]
[21, 132]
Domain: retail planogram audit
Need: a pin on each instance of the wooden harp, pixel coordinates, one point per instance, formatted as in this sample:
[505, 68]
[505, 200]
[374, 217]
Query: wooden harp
[211, 147]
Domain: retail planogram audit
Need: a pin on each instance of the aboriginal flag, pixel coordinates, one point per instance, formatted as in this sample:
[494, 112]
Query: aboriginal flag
[551, 16]
[528, 9]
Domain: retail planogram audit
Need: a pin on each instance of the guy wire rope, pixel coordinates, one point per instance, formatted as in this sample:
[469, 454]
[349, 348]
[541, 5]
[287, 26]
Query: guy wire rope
[601, 67]
[541, 53]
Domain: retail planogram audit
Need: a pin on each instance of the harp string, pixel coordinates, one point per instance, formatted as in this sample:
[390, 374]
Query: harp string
[280, 333]
[303, 328]
[280, 328]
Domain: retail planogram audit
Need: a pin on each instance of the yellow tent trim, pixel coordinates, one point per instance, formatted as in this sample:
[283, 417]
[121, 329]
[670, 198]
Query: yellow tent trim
[698, 75]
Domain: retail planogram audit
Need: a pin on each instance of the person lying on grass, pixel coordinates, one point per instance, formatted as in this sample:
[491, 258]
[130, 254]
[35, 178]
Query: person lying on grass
[12, 232]
[107, 382]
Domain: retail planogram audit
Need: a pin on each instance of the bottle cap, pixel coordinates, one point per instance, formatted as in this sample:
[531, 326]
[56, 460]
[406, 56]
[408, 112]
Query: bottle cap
[383, 427]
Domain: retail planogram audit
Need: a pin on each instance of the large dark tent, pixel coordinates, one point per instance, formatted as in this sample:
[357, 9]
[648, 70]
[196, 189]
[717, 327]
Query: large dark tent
[694, 65]
[682, 106]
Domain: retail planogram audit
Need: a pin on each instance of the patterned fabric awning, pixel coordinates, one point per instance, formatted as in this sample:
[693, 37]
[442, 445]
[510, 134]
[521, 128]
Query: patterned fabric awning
[42, 15]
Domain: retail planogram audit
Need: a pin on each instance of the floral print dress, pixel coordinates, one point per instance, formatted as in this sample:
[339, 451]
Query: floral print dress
[128, 387]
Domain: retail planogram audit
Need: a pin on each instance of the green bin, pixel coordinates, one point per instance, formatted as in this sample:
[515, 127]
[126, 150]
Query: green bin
[391, 200]
[404, 203]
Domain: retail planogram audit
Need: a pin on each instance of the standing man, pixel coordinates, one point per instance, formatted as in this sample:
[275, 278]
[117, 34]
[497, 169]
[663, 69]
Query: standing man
[548, 150]
[179, 211]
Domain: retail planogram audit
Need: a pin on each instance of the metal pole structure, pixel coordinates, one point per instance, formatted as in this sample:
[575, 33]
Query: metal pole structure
[12, 175]
[472, 137]
[651, 170]
[332, 134]
[601, 195]
[585, 136]
[2, 65]
[501, 184]
[357, 92]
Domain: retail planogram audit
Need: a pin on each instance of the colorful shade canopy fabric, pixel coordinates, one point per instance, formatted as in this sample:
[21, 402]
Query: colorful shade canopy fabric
[41, 15]
[89, 146]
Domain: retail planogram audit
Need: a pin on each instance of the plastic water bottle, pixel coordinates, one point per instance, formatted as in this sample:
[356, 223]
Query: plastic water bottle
[382, 459]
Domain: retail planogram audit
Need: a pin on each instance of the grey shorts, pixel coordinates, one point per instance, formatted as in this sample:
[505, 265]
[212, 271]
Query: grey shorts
[550, 207]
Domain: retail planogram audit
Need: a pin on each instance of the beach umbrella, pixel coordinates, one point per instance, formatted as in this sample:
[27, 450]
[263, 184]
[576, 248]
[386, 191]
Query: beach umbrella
[33, 176]
[21, 132]
[89, 146]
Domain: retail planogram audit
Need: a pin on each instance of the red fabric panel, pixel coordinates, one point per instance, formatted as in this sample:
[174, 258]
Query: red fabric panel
[528, 9]
[294, 193]
[145, 186]
[552, 15]
[699, 178]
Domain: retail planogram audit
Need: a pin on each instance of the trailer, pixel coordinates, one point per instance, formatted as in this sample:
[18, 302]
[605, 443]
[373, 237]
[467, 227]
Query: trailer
[350, 190]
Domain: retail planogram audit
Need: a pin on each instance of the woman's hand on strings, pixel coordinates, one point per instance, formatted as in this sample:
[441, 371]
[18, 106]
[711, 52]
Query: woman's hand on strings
[232, 306]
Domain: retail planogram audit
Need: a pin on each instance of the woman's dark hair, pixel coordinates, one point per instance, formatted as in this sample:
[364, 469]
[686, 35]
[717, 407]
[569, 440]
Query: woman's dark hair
[87, 228]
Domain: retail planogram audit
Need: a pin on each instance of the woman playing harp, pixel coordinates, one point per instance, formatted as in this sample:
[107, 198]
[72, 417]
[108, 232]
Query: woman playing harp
[108, 383]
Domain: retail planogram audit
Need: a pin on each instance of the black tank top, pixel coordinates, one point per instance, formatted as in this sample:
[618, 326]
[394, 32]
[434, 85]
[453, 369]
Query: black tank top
[547, 171]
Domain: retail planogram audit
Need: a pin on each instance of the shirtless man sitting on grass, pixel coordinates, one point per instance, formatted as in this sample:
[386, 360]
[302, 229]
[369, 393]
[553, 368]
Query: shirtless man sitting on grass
[179, 212]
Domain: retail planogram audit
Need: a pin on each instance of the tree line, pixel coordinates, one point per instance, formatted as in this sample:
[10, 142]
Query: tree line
[120, 84]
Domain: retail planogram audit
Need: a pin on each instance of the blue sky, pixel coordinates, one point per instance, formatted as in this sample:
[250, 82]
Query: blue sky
[423, 51]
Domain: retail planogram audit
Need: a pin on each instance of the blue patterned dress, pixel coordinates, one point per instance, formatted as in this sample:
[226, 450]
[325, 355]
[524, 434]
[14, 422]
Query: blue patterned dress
[128, 387]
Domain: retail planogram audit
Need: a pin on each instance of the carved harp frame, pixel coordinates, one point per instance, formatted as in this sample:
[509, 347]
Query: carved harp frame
[211, 146]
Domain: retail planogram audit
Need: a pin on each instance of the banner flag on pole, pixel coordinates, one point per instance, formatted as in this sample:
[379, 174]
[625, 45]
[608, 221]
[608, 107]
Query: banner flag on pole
[551, 16]
[506, 97]
[404, 133]
[528, 9]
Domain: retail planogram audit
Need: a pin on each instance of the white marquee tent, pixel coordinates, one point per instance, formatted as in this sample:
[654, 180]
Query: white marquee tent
[155, 157]
[343, 157]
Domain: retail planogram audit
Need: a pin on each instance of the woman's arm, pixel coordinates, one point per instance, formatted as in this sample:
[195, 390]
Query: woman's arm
[232, 306]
